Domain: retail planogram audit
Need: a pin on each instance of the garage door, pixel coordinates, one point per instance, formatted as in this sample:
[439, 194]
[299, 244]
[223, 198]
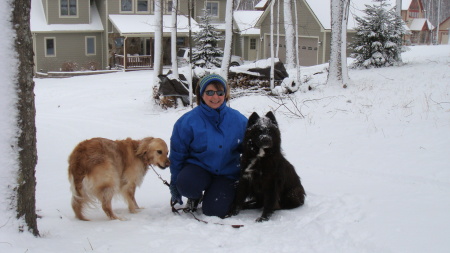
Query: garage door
[308, 50]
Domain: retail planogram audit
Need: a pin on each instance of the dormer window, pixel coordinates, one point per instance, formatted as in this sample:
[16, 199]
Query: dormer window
[169, 7]
[68, 7]
[143, 5]
[212, 8]
[126, 5]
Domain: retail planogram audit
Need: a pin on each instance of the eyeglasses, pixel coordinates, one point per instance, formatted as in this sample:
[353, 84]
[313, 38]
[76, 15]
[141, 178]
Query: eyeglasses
[211, 93]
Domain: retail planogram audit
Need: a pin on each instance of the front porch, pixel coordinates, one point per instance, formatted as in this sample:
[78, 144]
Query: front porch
[131, 41]
[133, 62]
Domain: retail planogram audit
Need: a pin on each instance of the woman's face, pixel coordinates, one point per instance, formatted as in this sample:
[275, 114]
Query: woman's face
[214, 101]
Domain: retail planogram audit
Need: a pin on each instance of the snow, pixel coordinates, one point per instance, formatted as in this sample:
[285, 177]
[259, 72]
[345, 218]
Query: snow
[373, 159]
[418, 24]
[8, 114]
[406, 4]
[261, 4]
[246, 21]
[144, 24]
[322, 11]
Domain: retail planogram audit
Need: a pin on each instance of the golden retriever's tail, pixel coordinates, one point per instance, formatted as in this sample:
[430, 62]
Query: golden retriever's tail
[77, 174]
[78, 200]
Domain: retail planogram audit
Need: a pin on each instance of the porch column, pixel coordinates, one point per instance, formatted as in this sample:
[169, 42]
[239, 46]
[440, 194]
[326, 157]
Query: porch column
[125, 53]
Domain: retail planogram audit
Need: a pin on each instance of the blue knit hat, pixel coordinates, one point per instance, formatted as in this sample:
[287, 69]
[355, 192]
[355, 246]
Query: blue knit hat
[212, 78]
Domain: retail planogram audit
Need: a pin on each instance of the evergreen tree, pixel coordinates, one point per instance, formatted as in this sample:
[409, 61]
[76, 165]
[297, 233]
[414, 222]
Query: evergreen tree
[378, 39]
[206, 51]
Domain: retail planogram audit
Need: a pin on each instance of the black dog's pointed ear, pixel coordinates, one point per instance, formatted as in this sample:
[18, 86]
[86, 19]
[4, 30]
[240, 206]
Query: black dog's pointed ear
[253, 118]
[271, 116]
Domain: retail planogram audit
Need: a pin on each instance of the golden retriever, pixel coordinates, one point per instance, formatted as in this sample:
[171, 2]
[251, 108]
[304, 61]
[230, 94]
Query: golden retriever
[100, 168]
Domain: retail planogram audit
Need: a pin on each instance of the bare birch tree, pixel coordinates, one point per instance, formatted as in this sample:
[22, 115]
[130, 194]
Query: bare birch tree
[228, 39]
[173, 41]
[158, 53]
[338, 74]
[289, 34]
[398, 7]
[297, 56]
[25, 189]
[272, 61]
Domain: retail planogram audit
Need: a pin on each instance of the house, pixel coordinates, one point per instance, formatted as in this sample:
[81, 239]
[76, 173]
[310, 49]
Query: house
[101, 34]
[444, 28]
[249, 35]
[413, 14]
[314, 29]
[66, 30]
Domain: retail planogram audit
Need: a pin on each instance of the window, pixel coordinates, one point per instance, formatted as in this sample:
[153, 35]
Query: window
[68, 7]
[143, 5]
[253, 44]
[169, 7]
[212, 8]
[126, 5]
[181, 41]
[50, 47]
[118, 42]
[90, 45]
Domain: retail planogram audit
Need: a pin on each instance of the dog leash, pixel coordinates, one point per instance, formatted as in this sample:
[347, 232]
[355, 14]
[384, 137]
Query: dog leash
[159, 176]
[175, 210]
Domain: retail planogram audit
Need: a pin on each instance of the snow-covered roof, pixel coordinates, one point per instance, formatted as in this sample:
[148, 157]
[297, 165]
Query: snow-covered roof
[322, 11]
[261, 4]
[406, 4]
[144, 24]
[246, 21]
[418, 23]
[38, 22]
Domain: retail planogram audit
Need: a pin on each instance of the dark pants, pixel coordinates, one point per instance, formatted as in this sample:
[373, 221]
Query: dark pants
[218, 191]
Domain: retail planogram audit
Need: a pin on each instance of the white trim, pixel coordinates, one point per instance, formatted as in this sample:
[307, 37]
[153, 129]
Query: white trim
[68, 10]
[86, 45]
[54, 46]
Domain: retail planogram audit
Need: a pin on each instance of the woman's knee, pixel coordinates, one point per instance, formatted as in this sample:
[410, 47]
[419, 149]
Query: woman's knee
[218, 198]
[192, 181]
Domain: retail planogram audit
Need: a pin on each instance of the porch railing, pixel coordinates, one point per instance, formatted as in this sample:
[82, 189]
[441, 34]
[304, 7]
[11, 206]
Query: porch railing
[133, 61]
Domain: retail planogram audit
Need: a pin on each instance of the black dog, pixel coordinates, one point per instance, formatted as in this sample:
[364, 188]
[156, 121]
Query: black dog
[267, 179]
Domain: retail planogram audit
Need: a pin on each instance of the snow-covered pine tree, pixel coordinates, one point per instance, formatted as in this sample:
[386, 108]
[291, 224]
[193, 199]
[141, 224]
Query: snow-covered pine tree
[206, 51]
[378, 39]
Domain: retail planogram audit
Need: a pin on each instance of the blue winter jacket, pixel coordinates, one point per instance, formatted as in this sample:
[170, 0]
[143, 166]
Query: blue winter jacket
[209, 138]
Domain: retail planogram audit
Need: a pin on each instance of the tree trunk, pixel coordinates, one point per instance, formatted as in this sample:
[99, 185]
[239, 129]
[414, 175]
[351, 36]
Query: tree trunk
[335, 65]
[158, 52]
[398, 7]
[26, 180]
[289, 34]
[228, 40]
[173, 41]
[344, 68]
[272, 62]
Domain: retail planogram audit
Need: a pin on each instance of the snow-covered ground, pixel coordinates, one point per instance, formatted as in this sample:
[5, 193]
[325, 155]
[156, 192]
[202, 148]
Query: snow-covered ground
[374, 159]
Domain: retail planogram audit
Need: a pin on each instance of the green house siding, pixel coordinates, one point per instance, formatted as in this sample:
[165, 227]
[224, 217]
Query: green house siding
[53, 13]
[69, 47]
[310, 33]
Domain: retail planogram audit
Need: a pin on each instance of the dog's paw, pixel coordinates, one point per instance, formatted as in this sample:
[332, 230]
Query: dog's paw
[261, 219]
[136, 210]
